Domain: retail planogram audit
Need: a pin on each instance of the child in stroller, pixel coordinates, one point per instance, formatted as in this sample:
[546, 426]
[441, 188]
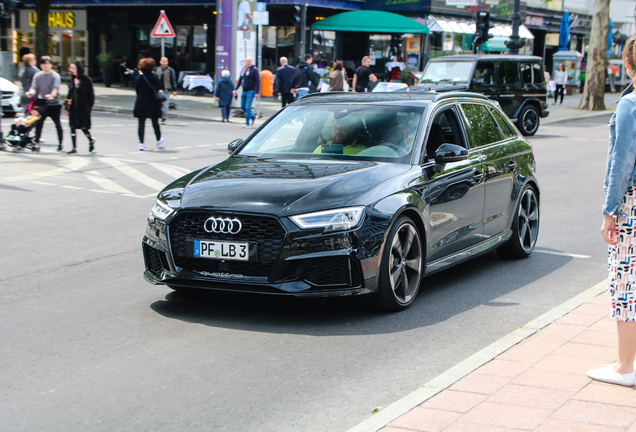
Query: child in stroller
[20, 137]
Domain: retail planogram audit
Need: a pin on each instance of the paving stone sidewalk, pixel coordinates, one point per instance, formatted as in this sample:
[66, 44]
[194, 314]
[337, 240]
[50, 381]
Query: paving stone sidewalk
[539, 384]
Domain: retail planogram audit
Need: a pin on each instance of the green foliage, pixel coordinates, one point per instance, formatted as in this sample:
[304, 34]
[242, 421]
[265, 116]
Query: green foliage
[105, 62]
[405, 75]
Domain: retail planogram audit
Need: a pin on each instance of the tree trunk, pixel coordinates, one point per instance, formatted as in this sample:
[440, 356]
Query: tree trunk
[594, 91]
[42, 28]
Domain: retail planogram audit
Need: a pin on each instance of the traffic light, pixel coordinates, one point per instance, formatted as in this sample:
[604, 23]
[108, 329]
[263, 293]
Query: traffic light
[483, 26]
[297, 14]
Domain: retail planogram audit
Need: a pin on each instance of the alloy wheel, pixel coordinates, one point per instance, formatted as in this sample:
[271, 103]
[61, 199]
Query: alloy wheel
[528, 220]
[405, 267]
[530, 120]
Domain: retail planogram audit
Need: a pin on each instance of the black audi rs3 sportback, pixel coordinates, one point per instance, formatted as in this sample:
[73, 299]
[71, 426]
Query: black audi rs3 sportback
[347, 194]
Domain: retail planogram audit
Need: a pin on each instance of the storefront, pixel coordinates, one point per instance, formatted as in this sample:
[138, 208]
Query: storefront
[68, 39]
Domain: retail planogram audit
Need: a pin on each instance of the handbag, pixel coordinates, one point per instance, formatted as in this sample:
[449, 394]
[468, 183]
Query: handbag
[345, 83]
[160, 96]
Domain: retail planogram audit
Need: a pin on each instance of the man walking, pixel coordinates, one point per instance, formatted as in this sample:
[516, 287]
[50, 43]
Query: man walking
[250, 80]
[304, 77]
[168, 81]
[46, 85]
[363, 75]
[283, 82]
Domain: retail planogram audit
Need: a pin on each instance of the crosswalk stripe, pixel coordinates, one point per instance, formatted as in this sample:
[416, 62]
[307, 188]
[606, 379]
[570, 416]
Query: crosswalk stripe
[172, 171]
[133, 173]
[105, 183]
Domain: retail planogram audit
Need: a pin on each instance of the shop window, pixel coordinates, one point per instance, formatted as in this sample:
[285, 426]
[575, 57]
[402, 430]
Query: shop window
[448, 42]
[324, 44]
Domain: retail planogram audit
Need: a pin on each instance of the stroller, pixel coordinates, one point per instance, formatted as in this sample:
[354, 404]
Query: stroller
[20, 137]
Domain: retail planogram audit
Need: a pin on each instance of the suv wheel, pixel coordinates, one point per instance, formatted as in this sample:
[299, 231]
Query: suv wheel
[528, 122]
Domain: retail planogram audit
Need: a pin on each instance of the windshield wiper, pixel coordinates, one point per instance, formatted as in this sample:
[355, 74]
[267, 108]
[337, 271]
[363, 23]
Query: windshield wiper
[447, 80]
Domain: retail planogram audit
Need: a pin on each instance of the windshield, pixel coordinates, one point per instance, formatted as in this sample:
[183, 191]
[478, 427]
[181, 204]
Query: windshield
[450, 71]
[348, 132]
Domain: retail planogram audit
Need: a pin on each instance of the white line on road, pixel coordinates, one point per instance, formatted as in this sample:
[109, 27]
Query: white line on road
[105, 183]
[43, 183]
[182, 147]
[561, 254]
[133, 173]
[172, 171]
[112, 155]
[204, 145]
[71, 187]
[134, 196]
[101, 191]
[578, 139]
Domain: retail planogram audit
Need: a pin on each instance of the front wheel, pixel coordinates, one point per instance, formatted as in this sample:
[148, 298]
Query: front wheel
[525, 227]
[401, 268]
[528, 122]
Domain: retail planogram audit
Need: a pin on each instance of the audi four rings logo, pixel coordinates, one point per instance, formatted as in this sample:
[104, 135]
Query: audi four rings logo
[222, 225]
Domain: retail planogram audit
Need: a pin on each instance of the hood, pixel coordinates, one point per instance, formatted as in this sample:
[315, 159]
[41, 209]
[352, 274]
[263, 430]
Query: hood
[225, 80]
[302, 64]
[284, 187]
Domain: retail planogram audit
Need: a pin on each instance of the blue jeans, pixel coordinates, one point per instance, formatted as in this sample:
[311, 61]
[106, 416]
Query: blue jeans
[246, 105]
[302, 93]
[225, 112]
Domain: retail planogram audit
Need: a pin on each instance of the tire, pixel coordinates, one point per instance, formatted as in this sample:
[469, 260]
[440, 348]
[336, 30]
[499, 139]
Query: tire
[400, 273]
[525, 226]
[529, 119]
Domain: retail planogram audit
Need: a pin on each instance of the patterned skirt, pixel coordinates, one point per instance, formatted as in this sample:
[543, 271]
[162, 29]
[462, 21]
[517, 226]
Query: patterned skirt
[622, 257]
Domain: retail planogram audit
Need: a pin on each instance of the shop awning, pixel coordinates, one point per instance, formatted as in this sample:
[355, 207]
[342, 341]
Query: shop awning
[450, 25]
[371, 22]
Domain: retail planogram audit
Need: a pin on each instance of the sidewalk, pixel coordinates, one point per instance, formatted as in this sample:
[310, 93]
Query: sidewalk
[532, 379]
[122, 100]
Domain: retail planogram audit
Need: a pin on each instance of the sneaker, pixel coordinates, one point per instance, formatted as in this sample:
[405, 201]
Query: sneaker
[245, 126]
[163, 121]
[142, 147]
[607, 374]
[60, 147]
[91, 145]
[252, 121]
[73, 151]
[160, 144]
[36, 149]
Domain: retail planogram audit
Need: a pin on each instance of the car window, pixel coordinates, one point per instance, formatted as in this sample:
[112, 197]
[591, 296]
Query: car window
[480, 126]
[484, 74]
[508, 73]
[537, 72]
[526, 73]
[447, 71]
[508, 133]
[342, 131]
[444, 129]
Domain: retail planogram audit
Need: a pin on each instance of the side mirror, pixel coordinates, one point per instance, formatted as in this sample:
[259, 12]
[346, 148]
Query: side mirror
[233, 145]
[447, 153]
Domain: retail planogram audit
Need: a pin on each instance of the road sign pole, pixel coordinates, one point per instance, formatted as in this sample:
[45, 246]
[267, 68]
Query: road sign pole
[163, 47]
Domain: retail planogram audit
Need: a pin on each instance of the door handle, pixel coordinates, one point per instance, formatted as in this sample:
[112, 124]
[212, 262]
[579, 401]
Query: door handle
[477, 176]
[512, 165]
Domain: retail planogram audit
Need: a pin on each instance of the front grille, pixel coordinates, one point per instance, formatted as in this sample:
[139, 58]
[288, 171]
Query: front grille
[154, 259]
[7, 94]
[328, 271]
[266, 231]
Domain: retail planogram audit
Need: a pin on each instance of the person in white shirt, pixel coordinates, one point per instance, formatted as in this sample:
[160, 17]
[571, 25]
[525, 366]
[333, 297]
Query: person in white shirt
[560, 78]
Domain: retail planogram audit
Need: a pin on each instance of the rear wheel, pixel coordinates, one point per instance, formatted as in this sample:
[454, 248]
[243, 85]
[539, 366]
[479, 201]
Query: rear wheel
[525, 226]
[528, 122]
[401, 268]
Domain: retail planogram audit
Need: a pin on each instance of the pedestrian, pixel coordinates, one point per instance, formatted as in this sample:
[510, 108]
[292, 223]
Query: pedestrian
[619, 216]
[223, 94]
[337, 78]
[546, 78]
[24, 49]
[305, 79]
[147, 104]
[29, 61]
[46, 86]
[560, 78]
[79, 104]
[363, 75]
[283, 82]
[167, 83]
[250, 80]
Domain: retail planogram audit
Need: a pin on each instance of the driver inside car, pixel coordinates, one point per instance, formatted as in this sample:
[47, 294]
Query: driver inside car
[343, 133]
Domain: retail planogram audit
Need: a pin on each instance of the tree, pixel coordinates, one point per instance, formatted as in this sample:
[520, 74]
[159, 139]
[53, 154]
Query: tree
[594, 91]
[42, 28]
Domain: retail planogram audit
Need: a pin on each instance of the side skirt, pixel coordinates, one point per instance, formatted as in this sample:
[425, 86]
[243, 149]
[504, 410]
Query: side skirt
[469, 253]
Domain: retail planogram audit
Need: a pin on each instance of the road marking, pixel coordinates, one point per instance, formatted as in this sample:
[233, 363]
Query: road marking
[603, 140]
[220, 144]
[43, 183]
[74, 164]
[578, 139]
[133, 173]
[113, 155]
[204, 145]
[561, 254]
[101, 191]
[134, 196]
[174, 157]
[105, 183]
[182, 147]
[172, 171]
[71, 187]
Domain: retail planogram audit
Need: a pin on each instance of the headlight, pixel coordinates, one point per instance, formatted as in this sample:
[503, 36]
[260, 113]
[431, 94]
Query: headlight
[16, 93]
[331, 220]
[160, 210]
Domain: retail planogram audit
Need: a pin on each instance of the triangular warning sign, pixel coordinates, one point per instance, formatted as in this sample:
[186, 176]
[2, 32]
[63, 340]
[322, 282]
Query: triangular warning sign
[163, 27]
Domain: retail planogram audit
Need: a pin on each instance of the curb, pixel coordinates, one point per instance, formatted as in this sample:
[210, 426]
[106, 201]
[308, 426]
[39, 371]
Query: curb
[581, 117]
[475, 361]
[128, 111]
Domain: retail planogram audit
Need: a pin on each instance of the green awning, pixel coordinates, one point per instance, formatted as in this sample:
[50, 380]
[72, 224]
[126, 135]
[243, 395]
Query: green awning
[370, 21]
[496, 43]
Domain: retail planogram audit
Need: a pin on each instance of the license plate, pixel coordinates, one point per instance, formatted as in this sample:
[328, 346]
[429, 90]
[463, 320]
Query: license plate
[237, 251]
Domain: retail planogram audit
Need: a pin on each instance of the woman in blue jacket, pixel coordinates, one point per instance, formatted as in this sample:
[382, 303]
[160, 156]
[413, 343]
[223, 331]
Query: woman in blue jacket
[619, 216]
[224, 94]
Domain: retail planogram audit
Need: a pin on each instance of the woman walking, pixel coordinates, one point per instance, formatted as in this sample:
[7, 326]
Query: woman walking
[29, 61]
[147, 104]
[223, 94]
[337, 78]
[619, 215]
[79, 104]
[560, 78]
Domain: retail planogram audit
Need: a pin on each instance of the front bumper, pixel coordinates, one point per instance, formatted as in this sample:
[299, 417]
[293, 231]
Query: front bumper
[307, 263]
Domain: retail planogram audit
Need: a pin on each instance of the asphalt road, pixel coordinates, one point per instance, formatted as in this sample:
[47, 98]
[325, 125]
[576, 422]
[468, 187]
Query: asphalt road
[87, 344]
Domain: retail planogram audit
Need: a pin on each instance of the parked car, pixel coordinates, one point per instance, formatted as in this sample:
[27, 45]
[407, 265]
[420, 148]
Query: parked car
[515, 81]
[10, 97]
[347, 194]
